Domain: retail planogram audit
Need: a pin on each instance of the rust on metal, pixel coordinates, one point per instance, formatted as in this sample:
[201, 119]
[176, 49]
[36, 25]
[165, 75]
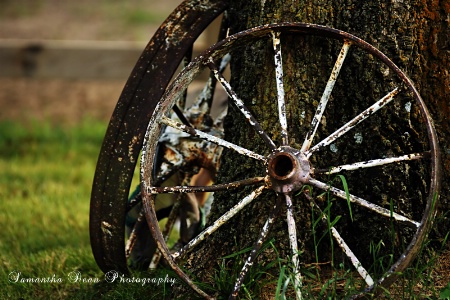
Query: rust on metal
[326, 96]
[240, 105]
[287, 169]
[126, 129]
[280, 86]
[353, 122]
[200, 189]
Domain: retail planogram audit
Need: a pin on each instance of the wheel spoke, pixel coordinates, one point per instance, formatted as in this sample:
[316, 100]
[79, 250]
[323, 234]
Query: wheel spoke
[219, 222]
[292, 231]
[374, 163]
[134, 201]
[343, 245]
[201, 189]
[152, 221]
[240, 105]
[187, 58]
[208, 137]
[224, 62]
[171, 219]
[256, 247]
[356, 263]
[207, 93]
[133, 236]
[280, 87]
[353, 122]
[364, 203]
[181, 115]
[325, 96]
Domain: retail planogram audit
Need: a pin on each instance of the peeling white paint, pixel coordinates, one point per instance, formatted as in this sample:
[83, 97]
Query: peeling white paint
[364, 203]
[106, 228]
[210, 138]
[375, 162]
[280, 86]
[326, 96]
[353, 122]
[219, 222]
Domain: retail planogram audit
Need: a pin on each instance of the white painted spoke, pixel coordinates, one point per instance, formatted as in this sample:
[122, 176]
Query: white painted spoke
[292, 230]
[280, 87]
[325, 96]
[207, 92]
[240, 105]
[256, 247]
[356, 263]
[364, 203]
[343, 245]
[373, 163]
[219, 222]
[353, 122]
[203, 189]
[208, 137]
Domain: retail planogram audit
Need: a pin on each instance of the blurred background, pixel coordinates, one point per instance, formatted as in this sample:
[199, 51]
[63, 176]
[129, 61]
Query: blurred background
[61, 61]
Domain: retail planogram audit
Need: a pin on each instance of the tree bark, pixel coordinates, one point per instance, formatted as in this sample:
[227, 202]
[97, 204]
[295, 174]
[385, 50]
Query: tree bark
[414, 34]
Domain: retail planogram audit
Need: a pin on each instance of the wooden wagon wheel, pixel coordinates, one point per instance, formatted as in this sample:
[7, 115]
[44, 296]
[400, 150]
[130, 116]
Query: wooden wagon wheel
[123, 140]
[290, 166]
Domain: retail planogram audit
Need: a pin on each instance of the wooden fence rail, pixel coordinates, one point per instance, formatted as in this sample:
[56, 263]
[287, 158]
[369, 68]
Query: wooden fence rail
[68, 59]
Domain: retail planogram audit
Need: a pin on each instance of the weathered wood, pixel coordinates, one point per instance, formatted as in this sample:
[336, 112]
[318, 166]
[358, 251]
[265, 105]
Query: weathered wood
[68, 59]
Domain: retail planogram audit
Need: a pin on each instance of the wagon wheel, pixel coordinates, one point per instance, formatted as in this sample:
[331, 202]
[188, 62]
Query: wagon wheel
[123, 140]
[290, 167]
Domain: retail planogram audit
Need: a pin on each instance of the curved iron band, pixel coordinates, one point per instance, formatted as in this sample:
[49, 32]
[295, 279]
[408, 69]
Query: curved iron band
[241, 38]
[125, 133]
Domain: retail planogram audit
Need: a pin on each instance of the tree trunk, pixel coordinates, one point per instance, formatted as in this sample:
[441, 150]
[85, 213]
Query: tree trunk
[414, 34]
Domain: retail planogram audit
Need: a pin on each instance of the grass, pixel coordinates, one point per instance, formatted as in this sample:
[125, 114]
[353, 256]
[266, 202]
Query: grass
[45, 187]
[336, 280]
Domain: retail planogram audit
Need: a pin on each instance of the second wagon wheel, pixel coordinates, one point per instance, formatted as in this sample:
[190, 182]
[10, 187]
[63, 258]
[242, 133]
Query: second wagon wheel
[172, 43]
[315, 158]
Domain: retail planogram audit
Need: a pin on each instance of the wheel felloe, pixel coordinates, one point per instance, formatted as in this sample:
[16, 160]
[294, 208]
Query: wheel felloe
[287, 169]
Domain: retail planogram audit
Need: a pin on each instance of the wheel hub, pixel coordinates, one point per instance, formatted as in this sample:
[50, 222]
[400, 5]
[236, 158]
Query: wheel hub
[288, 169]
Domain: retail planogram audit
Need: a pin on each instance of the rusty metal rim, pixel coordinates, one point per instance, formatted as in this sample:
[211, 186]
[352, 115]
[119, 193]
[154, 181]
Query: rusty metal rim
[224, 46]
[124, 136]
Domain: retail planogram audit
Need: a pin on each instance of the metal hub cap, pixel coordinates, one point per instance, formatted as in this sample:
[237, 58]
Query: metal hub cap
[288, 169]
